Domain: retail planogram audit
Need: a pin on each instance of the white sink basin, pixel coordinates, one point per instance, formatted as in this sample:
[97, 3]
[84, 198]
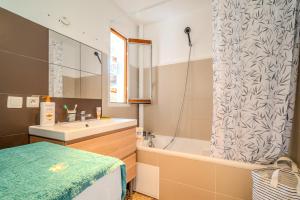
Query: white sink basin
[74, 130]
[89, 123]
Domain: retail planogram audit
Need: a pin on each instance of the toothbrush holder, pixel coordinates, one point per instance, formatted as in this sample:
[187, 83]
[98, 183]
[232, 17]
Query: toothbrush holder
[71, 117]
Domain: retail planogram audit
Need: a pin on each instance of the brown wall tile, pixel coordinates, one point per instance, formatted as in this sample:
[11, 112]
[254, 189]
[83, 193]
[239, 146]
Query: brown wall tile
[21, 75]
[16, 121]
[21, 36]
[13, 140]
[88, 105]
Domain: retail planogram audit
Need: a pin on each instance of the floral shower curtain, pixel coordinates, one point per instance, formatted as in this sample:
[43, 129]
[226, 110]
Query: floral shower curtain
[255, 61]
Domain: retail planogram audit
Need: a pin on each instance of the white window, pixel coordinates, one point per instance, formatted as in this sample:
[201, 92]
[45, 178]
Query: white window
[118, 68]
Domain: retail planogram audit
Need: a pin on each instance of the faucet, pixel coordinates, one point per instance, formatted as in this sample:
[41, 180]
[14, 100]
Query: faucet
[83, 115]
[149, 136]
[151, 143]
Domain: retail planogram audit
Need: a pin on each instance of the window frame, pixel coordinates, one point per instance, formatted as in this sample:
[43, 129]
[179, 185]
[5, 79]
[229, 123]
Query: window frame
[118, 34]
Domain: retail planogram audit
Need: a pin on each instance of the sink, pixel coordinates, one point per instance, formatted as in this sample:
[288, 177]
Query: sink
[73, 130]
[88, 123]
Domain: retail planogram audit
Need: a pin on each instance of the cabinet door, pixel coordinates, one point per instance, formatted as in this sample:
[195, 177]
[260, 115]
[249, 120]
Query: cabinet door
[119, 145]
[130, 163]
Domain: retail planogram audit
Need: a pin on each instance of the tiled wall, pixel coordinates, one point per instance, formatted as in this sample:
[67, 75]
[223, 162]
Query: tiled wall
[184, 178]
[14, 123]
[24, 72]
[168, 86]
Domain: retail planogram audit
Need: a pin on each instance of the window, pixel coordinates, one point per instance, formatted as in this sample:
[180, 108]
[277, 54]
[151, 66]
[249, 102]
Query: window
[118, 68]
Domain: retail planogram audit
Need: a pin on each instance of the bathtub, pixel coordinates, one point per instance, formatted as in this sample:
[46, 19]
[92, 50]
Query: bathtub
[185, 170]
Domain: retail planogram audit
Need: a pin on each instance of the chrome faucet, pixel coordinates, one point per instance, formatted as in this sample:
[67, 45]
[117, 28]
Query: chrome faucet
[149, 137]
[151, 142]
[83, 115]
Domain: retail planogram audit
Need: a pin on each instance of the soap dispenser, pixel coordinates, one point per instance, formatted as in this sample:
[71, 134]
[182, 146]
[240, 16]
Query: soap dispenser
[47, 112]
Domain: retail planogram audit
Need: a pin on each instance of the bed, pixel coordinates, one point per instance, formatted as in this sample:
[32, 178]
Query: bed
[49, 171]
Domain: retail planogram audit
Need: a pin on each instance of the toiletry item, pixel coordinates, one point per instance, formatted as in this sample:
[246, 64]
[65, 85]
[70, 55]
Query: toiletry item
[47, 112]
[71, 117]
[98, 112]
[71, 114]
[66, 107]
[139, 133]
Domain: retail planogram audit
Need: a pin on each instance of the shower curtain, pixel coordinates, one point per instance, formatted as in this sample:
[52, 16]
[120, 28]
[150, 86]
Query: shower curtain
[255, 61]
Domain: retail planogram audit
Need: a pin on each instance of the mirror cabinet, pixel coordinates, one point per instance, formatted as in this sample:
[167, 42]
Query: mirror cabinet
[75, 69]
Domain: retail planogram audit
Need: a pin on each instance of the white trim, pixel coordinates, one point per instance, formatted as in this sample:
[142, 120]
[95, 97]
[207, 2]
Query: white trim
[141, 75]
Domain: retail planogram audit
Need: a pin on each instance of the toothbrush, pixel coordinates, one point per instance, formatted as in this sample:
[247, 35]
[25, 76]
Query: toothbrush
[66, 107]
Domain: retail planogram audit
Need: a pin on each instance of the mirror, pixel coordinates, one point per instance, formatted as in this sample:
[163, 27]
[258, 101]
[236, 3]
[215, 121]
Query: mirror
[75, 69]
[140, 71]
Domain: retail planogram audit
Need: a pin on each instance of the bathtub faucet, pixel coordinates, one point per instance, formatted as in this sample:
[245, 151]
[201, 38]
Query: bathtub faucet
[151, 142]
[146, 135]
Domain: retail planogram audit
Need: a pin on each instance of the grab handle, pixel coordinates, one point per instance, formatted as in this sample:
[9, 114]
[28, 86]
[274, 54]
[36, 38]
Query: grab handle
[292, 164]
[275, 178]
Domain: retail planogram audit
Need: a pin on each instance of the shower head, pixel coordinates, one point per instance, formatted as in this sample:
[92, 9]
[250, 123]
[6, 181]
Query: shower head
[188, 30]
[97, 55]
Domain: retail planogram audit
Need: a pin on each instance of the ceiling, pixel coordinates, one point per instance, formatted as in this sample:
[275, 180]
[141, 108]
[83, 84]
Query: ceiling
[149, 11]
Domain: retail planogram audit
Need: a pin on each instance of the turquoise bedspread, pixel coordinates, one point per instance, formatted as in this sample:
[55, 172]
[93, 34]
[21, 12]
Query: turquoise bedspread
[43, 171]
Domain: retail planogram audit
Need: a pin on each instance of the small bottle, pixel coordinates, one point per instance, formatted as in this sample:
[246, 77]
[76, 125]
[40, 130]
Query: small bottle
[98, 112]
[47, 112]
[139, 133]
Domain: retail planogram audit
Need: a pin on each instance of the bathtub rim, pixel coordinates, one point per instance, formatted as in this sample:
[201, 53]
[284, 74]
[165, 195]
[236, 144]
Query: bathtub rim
[231, 163]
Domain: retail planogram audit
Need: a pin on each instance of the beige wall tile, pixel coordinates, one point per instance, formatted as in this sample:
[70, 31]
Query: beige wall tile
[170, 190]
[201, 129]
[147, 157]
[235, 182]
[202, 78]
[187, 171]
[162, 115]
[201, 108]
[225, 197]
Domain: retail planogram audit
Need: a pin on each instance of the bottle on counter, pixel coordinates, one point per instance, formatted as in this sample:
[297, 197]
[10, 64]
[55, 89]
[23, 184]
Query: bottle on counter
[47, 112]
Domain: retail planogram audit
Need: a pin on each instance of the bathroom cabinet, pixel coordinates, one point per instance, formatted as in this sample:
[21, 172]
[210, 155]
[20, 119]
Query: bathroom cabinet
[119, 143]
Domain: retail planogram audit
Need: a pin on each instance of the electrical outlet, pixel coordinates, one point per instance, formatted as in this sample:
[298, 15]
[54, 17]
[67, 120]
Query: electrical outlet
[14, 102]
[32, 102]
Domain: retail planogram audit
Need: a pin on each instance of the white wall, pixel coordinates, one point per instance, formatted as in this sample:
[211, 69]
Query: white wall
[93, 17]
[170, 44]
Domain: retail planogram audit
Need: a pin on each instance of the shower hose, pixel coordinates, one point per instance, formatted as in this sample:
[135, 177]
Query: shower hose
[182, 101]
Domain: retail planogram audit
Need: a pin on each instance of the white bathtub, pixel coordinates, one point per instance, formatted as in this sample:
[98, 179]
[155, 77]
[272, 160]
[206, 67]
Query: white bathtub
[155, 178]
[190, 148]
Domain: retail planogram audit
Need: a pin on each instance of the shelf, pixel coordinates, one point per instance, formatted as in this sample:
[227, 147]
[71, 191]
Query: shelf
[139, 101]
